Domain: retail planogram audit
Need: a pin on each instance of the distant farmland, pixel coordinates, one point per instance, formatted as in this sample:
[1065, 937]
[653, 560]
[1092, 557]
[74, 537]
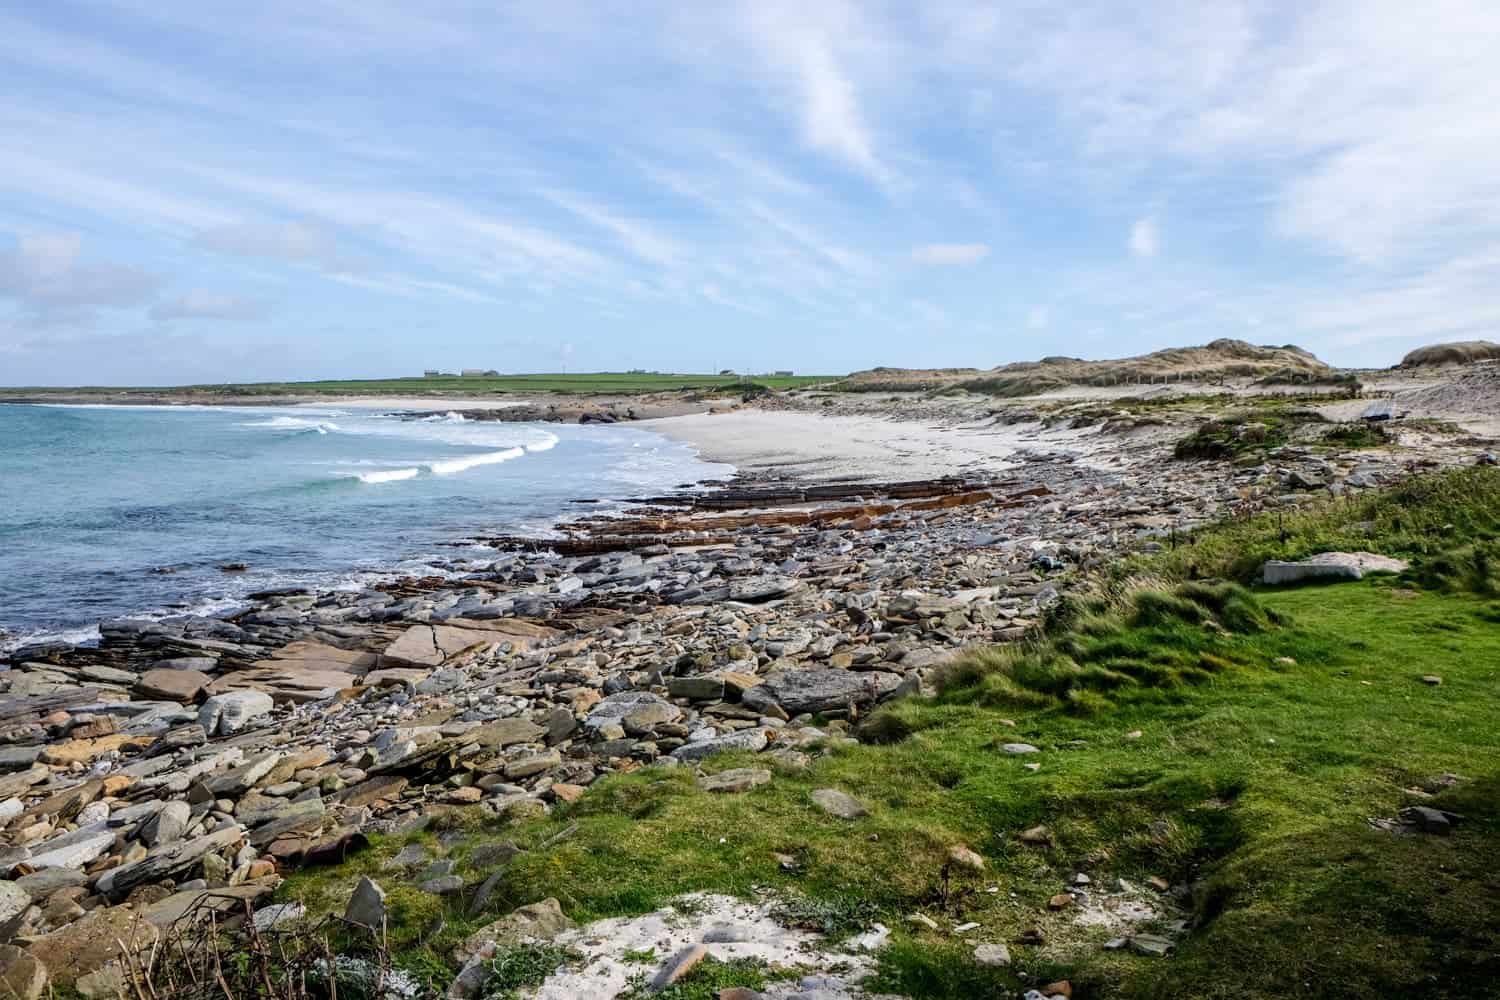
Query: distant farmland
[603, 383]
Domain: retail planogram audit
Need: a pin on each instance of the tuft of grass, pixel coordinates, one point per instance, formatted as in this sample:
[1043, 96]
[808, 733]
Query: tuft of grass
[1356, 435]
[705, 980]
[836, 916]
[524, 966]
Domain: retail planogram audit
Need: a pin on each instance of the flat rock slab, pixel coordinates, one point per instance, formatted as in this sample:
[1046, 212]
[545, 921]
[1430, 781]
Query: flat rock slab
[173, 685]
[520, 633]
[396, 677]
[285, 681]
[1330, 566]
[435, 645]
[319, 656]
[799, 691]
[735, 780]
[840, 804]
[226, 900]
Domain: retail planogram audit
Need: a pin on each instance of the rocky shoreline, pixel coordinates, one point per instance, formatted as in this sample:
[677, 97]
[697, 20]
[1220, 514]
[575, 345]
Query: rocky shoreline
[187, 764]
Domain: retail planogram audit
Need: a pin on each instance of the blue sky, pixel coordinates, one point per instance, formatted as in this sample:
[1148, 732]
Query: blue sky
[201, 192]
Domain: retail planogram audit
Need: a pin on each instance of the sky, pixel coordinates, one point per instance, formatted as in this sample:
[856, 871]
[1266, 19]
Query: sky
[206, 192]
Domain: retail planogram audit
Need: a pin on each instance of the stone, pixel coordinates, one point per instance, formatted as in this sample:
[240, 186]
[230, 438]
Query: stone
[167, 861]
[173, 685]
[839, 804]
[1425, 819]
[1037, 836]
[677, 966]
[1019, 748]
[226, 714]
[72, 850]
[992, 956]
[753, 740]
[532, 765]
[366, 905]
[539, 921]
[14, 759]
[168, 825]
[268, 917]
[435, 645]
[239, 780]
[92, 942]
[735, 780]
[1330, 566]
[799, 691]
[443, 885]
[504, 733]
[963, 857]
[14, 901]
[22, 974]
[1432, 680]
[85, 750]
[616, 707]
[1061, 901]
[1151, 945]
[696, 688]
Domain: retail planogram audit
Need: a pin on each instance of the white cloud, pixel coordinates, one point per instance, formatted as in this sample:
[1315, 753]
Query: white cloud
[1144, 241]
[804, 41]
[203, 305]
[44, 277]
[950, 253]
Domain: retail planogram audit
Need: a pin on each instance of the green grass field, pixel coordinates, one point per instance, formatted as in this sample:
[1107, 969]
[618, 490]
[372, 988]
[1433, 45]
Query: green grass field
[1235, 744]
[581, 383]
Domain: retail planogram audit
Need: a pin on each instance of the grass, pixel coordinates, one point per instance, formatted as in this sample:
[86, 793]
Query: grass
[1234, 743]
[706, 979]
[523, 966]
[581, 383]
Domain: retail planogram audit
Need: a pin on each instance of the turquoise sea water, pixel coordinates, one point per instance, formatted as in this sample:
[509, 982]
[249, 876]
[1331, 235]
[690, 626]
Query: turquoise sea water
[109, 511]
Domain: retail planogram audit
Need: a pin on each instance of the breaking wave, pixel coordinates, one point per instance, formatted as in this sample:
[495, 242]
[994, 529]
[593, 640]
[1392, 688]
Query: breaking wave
[454, 466]
[295, 424]
[388, 475]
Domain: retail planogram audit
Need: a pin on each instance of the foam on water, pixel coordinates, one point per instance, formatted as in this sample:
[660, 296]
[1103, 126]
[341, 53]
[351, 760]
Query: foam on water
[100, 500]
[388, 475]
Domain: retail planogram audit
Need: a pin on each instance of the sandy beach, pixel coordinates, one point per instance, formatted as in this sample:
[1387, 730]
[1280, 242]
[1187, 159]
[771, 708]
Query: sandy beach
[803, 445]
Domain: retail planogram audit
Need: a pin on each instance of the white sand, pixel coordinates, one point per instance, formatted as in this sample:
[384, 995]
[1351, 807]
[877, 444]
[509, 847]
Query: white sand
[810, 445]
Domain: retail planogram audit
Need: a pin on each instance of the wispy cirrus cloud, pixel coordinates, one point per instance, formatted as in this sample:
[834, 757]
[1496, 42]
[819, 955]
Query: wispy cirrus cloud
[950, 253]
[199, 304]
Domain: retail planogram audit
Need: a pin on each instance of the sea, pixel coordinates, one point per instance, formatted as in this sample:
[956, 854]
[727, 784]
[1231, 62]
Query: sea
[135, 511]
